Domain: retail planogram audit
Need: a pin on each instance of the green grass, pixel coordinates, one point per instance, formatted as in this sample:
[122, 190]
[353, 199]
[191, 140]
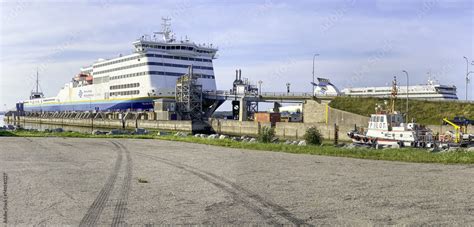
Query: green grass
[424, 112]
[405, 155]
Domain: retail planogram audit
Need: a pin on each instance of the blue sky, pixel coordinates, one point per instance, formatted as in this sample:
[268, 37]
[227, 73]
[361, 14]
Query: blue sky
[361, 43]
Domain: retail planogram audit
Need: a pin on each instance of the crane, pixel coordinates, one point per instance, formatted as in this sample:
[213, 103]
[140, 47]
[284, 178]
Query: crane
[459, 130]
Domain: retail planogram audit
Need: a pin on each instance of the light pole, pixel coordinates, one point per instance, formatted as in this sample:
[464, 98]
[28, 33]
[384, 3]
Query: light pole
[260, 87]
[408, 82]
[288, 88]
[467, 74]
[314, 58]
[472, 63]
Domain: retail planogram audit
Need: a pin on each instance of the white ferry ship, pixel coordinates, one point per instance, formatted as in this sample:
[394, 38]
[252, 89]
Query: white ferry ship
[430, 91]
[132, 81]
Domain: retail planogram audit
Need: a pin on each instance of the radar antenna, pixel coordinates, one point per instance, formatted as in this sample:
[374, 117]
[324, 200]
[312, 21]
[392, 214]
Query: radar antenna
[168, 35]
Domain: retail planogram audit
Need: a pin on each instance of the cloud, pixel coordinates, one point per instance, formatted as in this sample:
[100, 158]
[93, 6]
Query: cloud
[265, 38]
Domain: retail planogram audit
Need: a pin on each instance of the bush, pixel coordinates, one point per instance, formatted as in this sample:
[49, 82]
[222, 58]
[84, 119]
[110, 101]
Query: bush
[266, 134]
[313, 136]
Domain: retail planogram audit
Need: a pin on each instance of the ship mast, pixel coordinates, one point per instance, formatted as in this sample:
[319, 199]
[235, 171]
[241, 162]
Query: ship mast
[37, 81]
[35, 93]
[168, 35]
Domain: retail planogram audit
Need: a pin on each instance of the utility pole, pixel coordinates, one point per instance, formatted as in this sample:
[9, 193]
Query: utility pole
[408, 82]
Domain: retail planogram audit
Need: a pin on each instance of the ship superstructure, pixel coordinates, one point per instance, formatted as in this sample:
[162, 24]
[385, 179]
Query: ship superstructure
[433, 90]
[133, 81]
[324, 87]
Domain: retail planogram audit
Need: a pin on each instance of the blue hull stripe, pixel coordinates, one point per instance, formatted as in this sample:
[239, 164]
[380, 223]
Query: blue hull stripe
[102, 106]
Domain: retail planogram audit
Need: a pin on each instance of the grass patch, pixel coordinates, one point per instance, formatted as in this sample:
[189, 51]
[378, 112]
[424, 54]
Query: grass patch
[424, 112]
[404, 155]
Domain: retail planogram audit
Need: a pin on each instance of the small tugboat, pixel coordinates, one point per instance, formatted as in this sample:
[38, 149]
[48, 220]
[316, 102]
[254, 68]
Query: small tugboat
[388, 129]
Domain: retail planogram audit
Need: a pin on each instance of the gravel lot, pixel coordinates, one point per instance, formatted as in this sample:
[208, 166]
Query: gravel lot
[57, 181]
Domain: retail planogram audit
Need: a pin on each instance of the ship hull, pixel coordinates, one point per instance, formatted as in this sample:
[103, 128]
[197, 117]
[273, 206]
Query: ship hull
[109, 105]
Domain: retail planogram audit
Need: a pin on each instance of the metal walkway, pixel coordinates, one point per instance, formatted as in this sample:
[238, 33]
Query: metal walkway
[265, 96]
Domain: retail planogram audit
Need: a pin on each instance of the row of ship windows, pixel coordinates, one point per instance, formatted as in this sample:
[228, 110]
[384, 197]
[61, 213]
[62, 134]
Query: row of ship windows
[118, 61]
[120, 93]
[152, 63]
[127, 75]
[99, 80]
[122, 86]
[180, 74]
[175, 48]
[179, 65]
[158, 73]
[411, 94]
[178, 58]
[156, 56]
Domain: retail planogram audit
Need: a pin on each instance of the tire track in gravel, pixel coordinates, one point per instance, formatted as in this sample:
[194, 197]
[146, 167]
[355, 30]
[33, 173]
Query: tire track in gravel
[95, 210]
[120, 210]
[5, 198]
[238, 193]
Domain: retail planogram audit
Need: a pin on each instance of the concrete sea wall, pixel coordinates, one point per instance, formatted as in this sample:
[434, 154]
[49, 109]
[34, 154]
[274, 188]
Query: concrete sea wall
[233, 127]
[185, 126]
[284, 130]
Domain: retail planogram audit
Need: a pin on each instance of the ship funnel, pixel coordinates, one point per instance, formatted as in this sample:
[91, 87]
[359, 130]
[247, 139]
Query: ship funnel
[190, 70]
[240, 74]
[236, 74]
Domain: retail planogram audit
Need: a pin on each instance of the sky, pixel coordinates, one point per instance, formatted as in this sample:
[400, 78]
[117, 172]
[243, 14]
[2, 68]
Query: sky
[359, 42]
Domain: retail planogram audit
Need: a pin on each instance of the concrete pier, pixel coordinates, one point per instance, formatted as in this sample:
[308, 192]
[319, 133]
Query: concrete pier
[317, 114]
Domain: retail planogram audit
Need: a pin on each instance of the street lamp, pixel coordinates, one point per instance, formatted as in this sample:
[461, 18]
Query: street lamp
[407, 92]
[288, 88]
[260, 87]
[472, 63]
[314, 57]
[467, 74]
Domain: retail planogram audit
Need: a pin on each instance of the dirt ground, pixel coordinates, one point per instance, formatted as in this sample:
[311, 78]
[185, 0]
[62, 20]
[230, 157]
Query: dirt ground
[59, 181]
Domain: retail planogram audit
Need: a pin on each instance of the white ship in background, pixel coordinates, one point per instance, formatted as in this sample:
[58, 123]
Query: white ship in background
[324, 87]
[433, 90]
[133, 81]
